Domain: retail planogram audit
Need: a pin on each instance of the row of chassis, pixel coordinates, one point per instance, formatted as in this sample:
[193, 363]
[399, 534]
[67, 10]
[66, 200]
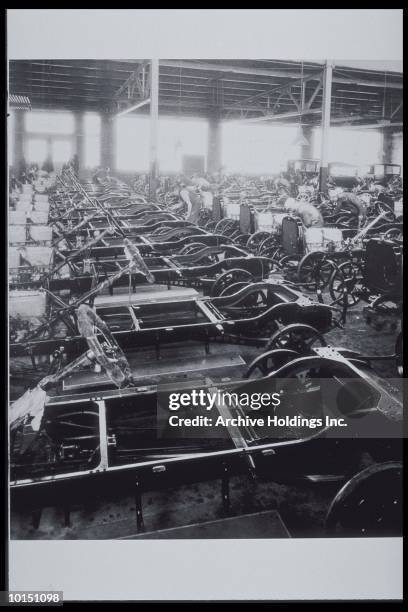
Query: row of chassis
[279, 331]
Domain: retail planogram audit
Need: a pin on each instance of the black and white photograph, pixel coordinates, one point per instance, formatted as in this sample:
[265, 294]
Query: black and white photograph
[204, 267]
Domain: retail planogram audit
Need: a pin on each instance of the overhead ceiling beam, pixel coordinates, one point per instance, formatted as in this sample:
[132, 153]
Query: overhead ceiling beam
[23, 89]
[196, 65]
[277, 116]
[230, 68]
[316, 91]
[137, 79]
[283, 88]
[133, 107]
[174, 108]
[186, 84]
[52, 90]
[165, 98]
[287, 87]
[374, 126]
[206, 66]
[394, 112]
[347, 119]
[24, 84]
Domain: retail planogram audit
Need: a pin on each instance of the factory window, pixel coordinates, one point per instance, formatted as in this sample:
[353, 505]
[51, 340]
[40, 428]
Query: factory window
[61, 151]
[177, 137]
[36, 150]
[54, 122]
[258, 149]
[92, 140]
[351, 146]
[132, 144]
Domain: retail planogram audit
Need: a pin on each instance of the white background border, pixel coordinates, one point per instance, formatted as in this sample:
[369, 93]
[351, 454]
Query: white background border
[211, 569]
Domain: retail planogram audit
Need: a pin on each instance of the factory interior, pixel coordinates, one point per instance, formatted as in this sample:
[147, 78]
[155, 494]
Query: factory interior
[204, 224]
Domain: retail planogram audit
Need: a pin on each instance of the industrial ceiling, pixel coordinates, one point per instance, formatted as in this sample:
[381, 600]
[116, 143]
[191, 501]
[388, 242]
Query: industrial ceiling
[255, 90]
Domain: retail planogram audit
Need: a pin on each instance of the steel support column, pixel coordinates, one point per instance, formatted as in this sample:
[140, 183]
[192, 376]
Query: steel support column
[108, 141]
[154, 127]
[19, 141]
[79, 141]
[306, 150]
[214, 145]
[327, 91]
[49, 158]
[387, 146]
